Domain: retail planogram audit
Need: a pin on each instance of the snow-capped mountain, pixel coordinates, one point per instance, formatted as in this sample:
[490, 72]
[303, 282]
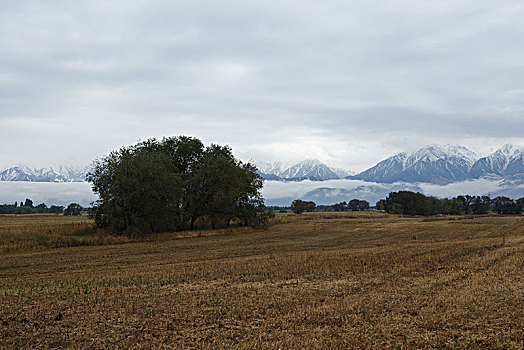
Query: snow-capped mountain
[508, 160]
[387, 171]
[310, 169]
[438, 164]
[63, 173]
[273, 168]
[342, 173]
[70, 172]
[18, 173]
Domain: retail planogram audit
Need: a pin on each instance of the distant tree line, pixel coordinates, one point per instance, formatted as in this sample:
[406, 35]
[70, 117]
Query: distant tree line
[352, 205]
[299, 206]
[28, 207]
[173, 183]
[411, 203]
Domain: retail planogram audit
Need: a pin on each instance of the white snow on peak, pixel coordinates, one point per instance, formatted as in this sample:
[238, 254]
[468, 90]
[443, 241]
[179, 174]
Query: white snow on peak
[309, 168]
[342, 173]
[305, 168]
[24, 172]
[275, 168]
[436, 152]
[26, 168]
[499, 161]
[511, 151]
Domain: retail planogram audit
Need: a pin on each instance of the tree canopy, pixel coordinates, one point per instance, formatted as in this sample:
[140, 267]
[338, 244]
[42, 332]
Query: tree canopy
[410, 203]
[73, 209]
[299, 206]
[169, 184]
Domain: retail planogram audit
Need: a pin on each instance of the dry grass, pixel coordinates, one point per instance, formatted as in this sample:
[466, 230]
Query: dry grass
[315, 281]
[44, 231]
[24, 232]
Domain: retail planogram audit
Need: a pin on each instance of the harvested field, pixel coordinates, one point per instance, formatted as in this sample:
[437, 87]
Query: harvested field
[44, 231]
[347, 280]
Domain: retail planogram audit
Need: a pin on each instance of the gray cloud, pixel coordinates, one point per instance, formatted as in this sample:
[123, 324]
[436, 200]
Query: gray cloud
[348, 82]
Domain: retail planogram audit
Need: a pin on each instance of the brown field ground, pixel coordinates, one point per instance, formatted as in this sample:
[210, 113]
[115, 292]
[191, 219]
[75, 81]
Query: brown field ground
[364, 280]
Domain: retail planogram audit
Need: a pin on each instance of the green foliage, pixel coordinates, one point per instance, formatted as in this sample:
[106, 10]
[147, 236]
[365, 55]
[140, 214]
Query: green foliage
[73, 209]
[342, 206]
[358, 205]
[30, 209]
[520, 203]
[481, 205]
[299, 206]
[56, 209]
[381, 204]
[410, 203]
[167, 185]
[505, 205]
[353, 205]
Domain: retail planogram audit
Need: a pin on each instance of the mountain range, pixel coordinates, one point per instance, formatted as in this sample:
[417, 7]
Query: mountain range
[309, 169]
[63, 173]
[436, 164]
[507, 161]
[443, 164]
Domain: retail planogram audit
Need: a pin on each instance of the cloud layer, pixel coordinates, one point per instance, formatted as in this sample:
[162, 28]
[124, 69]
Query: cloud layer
[335, 191]
[348, 82]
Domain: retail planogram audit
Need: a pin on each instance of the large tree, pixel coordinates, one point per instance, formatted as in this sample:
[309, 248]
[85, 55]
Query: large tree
[167, 185]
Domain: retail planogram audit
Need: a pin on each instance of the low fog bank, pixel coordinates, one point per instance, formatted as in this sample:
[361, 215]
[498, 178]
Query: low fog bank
[334, 191]
[46, 192]
[275, 192]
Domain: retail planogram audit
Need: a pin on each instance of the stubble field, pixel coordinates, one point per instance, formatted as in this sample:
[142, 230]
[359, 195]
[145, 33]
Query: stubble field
[365, 280]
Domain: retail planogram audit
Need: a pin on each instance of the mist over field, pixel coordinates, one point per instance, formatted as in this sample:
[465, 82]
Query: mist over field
[46, 192]
[334, 191]
[274, 192]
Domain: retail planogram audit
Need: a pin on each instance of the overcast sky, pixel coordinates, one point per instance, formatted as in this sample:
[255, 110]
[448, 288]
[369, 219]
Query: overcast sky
[346, 82]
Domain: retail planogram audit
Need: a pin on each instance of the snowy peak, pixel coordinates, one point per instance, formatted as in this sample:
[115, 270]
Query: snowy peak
[511, 150]
[26, 173]
[309, 169]
[509, 153]
[443, 164]
[17, 173]
[388, 170]
[342, 173]
[435, 163]
[507, 160]
[436, 152]
[274, 168]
